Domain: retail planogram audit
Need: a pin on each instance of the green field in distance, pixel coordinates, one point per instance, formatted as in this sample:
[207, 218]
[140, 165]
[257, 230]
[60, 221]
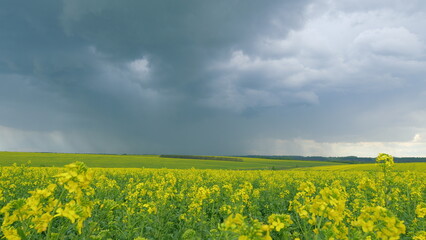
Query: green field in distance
[148, 161]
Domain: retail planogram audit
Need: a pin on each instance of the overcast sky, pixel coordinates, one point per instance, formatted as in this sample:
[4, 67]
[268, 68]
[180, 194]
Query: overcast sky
[224, 77]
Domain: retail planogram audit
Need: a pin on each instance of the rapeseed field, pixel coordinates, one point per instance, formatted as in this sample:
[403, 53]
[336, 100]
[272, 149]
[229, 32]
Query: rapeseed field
[80, 203]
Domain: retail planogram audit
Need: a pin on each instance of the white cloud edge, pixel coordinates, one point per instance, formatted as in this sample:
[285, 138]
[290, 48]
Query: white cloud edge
[307, 147]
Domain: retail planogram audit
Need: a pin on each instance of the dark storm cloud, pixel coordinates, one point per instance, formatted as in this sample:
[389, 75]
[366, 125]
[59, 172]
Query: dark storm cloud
[178, 39]
[126, 76]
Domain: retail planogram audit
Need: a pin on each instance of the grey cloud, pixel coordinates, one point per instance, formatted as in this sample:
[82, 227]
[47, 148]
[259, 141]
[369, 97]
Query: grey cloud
[145, 26]
[179, 39]
[365, 69]
[71, 68]
[209, 77]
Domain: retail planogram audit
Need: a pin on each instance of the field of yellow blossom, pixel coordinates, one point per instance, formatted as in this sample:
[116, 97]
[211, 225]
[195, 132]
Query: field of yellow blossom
[118, 203]
[400, 167]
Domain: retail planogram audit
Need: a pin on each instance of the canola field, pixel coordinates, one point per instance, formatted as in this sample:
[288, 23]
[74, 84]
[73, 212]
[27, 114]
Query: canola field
[400, 167]
[106, 203]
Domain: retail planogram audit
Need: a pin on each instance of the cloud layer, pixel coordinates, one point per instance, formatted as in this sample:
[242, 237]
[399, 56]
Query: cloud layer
[222, 77]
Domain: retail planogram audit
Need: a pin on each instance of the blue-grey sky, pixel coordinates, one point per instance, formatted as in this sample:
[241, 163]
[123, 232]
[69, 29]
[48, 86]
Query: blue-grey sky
[225, 77]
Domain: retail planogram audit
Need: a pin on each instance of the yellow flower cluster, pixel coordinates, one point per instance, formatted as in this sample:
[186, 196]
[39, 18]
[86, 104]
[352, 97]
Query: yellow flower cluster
[1, 196]
[245, 228]
[421, 210]
[324, 212]
[77, 181]
[385, 159]
[420, 236]
[380, 222]
[35, 213]
[253, 229]
[279, 221]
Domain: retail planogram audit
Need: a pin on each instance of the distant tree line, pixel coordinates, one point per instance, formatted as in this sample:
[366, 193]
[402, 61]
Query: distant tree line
[233, 159]
[348, 159]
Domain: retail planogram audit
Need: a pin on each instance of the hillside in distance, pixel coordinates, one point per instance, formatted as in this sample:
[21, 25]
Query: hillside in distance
[34, 159]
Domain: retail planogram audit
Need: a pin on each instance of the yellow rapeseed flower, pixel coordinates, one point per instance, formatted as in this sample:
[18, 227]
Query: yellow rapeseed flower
[379, 221]
[421, 210]
[10, 233]
[420, 235]
[385, 159]
[68, 211]
[234, 221]
[42, 222]
[279, 221]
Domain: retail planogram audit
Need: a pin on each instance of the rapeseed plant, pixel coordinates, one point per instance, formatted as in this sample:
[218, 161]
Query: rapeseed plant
[211, 204]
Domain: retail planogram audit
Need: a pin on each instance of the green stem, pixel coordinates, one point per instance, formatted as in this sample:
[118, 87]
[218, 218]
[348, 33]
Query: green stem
[300, 226]
[318, 226]
[49, 227]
